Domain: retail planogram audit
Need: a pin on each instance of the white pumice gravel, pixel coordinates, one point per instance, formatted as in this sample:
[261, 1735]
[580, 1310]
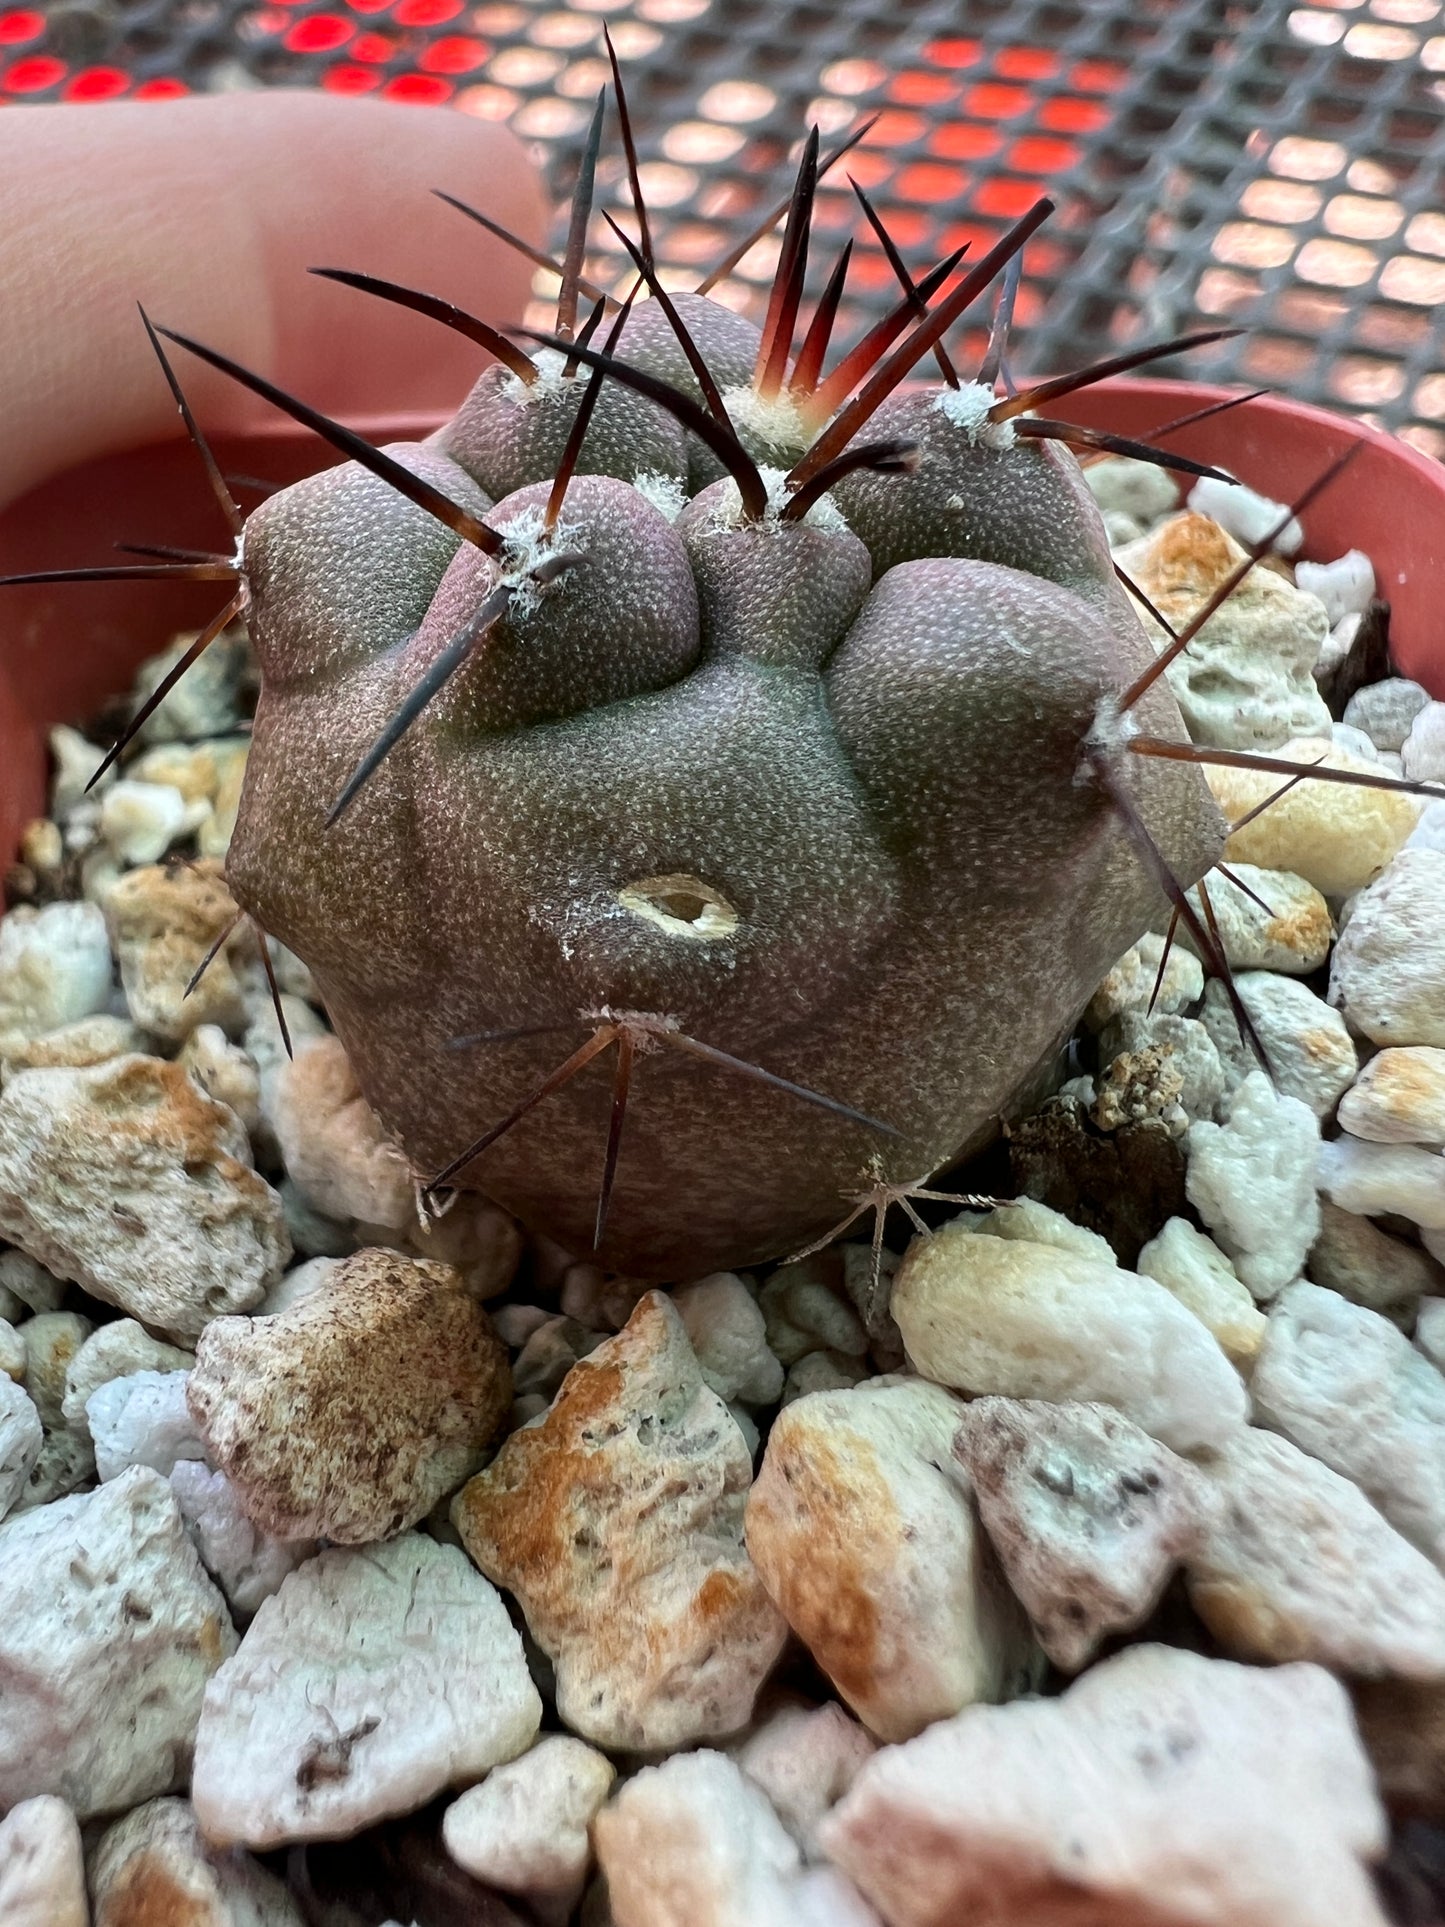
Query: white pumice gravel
[1241, 1409]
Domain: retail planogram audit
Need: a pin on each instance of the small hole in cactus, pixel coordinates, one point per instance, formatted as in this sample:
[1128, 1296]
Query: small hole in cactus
[683, 906]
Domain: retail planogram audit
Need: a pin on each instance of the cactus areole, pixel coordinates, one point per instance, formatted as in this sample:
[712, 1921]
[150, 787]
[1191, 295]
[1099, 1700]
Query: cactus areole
[690, 735]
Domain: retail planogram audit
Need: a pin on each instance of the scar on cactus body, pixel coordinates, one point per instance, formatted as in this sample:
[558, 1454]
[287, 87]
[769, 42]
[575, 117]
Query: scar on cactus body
[707, 778]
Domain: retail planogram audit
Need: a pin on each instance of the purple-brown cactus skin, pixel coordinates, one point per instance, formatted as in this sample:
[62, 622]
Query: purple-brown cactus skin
[767, 761]
[817, 795]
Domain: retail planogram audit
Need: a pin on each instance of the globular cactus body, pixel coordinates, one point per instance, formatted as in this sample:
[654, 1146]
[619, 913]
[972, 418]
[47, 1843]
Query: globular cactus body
[716, 775]
[736, 753]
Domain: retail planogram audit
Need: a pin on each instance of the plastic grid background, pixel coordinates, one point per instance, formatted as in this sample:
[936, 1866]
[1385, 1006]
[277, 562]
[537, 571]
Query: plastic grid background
[1271, 164]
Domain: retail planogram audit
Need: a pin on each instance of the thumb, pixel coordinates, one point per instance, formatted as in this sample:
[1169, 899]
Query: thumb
[209, 211]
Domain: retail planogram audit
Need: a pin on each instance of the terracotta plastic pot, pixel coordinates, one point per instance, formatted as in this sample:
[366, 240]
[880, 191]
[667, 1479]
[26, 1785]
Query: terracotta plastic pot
[63, 650]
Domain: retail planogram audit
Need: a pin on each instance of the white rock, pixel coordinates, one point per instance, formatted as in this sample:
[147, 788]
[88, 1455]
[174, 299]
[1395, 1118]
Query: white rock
[1430, 1331]
[548, 1353]
[1429, 832]
[140, 821]
[21, 1436]
[693, 1840]
[42, 1868]
[1354, 1257]
[1120, 528]
[52, 1339]
[109, 1630]
[1337, 645]
[1345, 586]
[525, 1828]
[75, 761]
[1357, 742]
[54, 967]
[224, 1072]
[351, 1415]
[1129, 986]
[1345, 1385]
[1248, 516]
[806, 1310]
[1422, 754]
[128, 1179]
[616, 1520]
[246, 1563]
[875, 1558]
[1293, 934]
[1388, 971]
[142, 1419]
[598, 1301]
[312, 1234]
[1293, 1562]
[23, 1278]
[115, 1351]
[1026, 1220]
[515, 1324]
[294, 1287]
[822, 1372]
[805, 1758]
[1247, 679]
[1252, 1180]
[474, 1235]
[1183, 1051]
[333, 1142]
[1087, 1514]
[729, 1336]
[1024, 1320]
[371, 1681]
[12, 1352]
[203, 703]
[1385, 710]
[1376, 1180]
[1162, 1790]
[1309, 1049]
[1196, 1271]
[154, 1869]
[1337, 836]
[90, 1040]
[1398, 1098]
[1129, 487]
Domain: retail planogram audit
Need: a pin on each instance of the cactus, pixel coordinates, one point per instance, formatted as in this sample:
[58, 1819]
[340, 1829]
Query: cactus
[690, 738]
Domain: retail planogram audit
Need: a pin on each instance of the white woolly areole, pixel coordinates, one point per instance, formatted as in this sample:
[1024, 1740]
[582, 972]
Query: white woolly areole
[526, 543]
[772, 422]
[824, 514]
[665, 492]
[549, 364]
[967, 408]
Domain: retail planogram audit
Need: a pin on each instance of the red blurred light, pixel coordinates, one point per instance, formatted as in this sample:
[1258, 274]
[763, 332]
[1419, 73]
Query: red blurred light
[425, 13]
[98, 83]
[1073, 116]
[1037, 154]
[161, 89]
[922, 90]
[1025, 63]
[374, 47]
[930, 181]
[960, 140]
[368, 6]
[1009, 198]
[992, 101]
[953, 53]
[893, 127]
[33, 74]
[322, 33]
[19, 25]
[350, 79]
[1098, 76]
[420, 88]
[455, 53]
